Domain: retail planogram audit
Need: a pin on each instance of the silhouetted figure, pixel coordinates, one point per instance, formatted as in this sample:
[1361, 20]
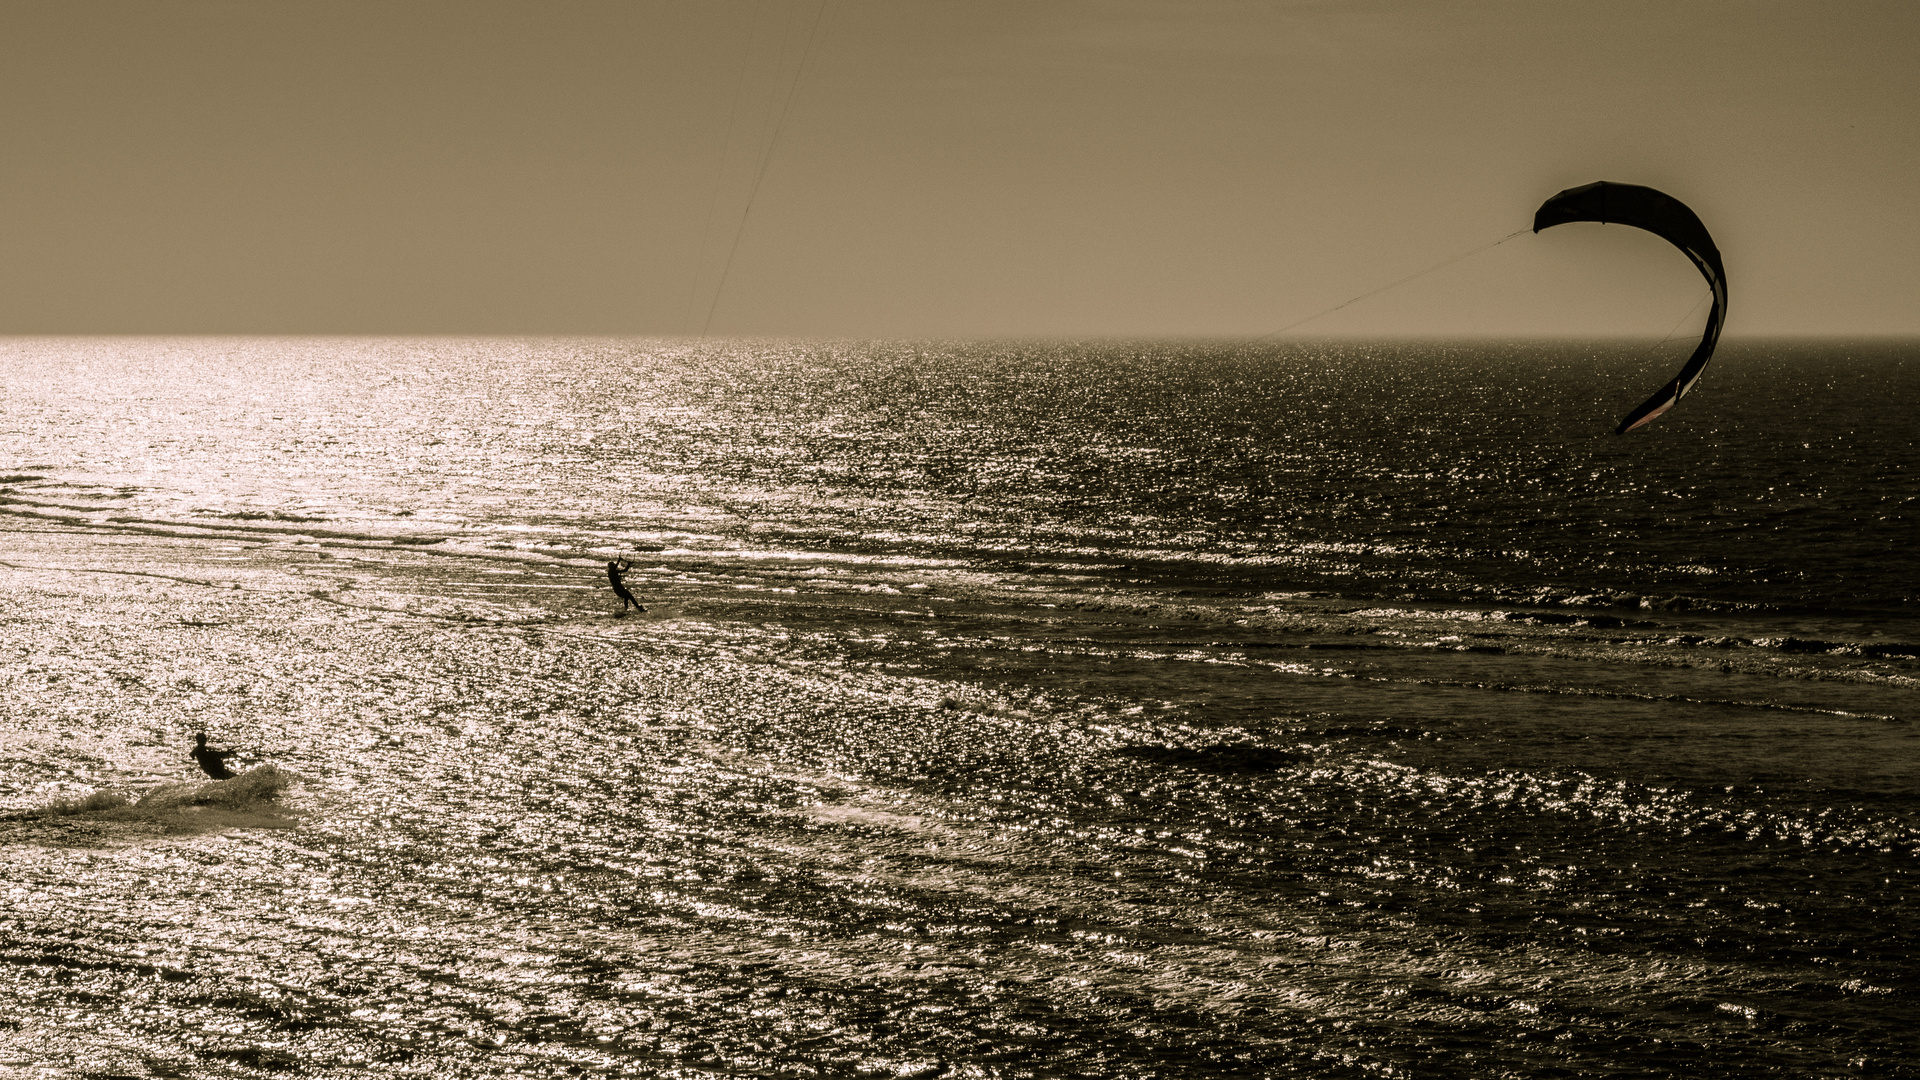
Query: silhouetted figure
[212, 762]
[620, 587]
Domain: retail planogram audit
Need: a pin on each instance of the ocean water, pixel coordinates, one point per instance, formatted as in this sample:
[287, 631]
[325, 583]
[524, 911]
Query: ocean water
[1000, 709]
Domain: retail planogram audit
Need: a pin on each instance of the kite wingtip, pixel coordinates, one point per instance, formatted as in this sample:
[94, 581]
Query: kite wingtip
[1635, 420]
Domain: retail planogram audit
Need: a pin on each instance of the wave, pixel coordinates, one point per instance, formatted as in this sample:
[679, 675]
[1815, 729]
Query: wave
[107, 817]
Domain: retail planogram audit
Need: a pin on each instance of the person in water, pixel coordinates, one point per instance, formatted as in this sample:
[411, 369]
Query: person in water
[212, 762]
[620, 587]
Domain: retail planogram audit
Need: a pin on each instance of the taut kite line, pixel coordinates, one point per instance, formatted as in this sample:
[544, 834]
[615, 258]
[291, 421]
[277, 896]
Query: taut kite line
[1669, 219]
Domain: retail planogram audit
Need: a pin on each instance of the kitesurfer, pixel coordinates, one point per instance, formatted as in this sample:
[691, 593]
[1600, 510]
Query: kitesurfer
[620, 587]
[212, 762]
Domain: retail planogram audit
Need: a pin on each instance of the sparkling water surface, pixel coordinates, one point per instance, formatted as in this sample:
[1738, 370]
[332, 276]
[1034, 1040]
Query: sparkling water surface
[1114, 709]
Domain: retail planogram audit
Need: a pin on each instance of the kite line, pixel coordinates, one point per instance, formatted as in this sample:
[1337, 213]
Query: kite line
[1675, 328]
[766, 159]
[1393, 284]
[726, 151]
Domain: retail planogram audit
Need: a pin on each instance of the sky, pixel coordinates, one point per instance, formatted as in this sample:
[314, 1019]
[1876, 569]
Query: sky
[948, 168]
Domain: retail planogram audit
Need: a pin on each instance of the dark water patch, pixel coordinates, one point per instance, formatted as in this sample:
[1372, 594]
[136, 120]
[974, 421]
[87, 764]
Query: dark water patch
[49, 504]
[1666, 602]
[1625, 695]
[1379, 729]
[1879, 650]
[254, 1057]
[266, 515]
[1218, 758]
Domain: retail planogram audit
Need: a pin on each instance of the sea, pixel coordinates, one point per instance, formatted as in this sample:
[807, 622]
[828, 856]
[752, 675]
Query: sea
[998, 709]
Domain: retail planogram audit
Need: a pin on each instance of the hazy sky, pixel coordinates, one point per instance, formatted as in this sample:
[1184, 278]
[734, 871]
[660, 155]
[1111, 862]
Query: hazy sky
[989, 168]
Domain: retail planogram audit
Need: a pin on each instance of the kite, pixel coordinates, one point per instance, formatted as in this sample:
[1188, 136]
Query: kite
[1669, 219]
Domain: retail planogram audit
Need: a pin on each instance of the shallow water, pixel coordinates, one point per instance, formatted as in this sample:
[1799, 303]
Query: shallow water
[1001, 710]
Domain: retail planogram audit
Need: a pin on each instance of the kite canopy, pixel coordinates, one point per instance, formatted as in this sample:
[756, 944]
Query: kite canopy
[1670, 219]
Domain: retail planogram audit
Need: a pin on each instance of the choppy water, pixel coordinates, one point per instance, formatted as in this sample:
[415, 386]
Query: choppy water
[1001, 710]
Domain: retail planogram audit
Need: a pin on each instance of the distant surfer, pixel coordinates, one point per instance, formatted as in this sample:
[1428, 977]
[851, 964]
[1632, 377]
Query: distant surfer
[620, 587]
[212, 762]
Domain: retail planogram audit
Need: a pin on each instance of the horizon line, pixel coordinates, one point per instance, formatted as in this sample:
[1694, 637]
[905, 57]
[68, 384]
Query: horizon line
[1217, 339]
